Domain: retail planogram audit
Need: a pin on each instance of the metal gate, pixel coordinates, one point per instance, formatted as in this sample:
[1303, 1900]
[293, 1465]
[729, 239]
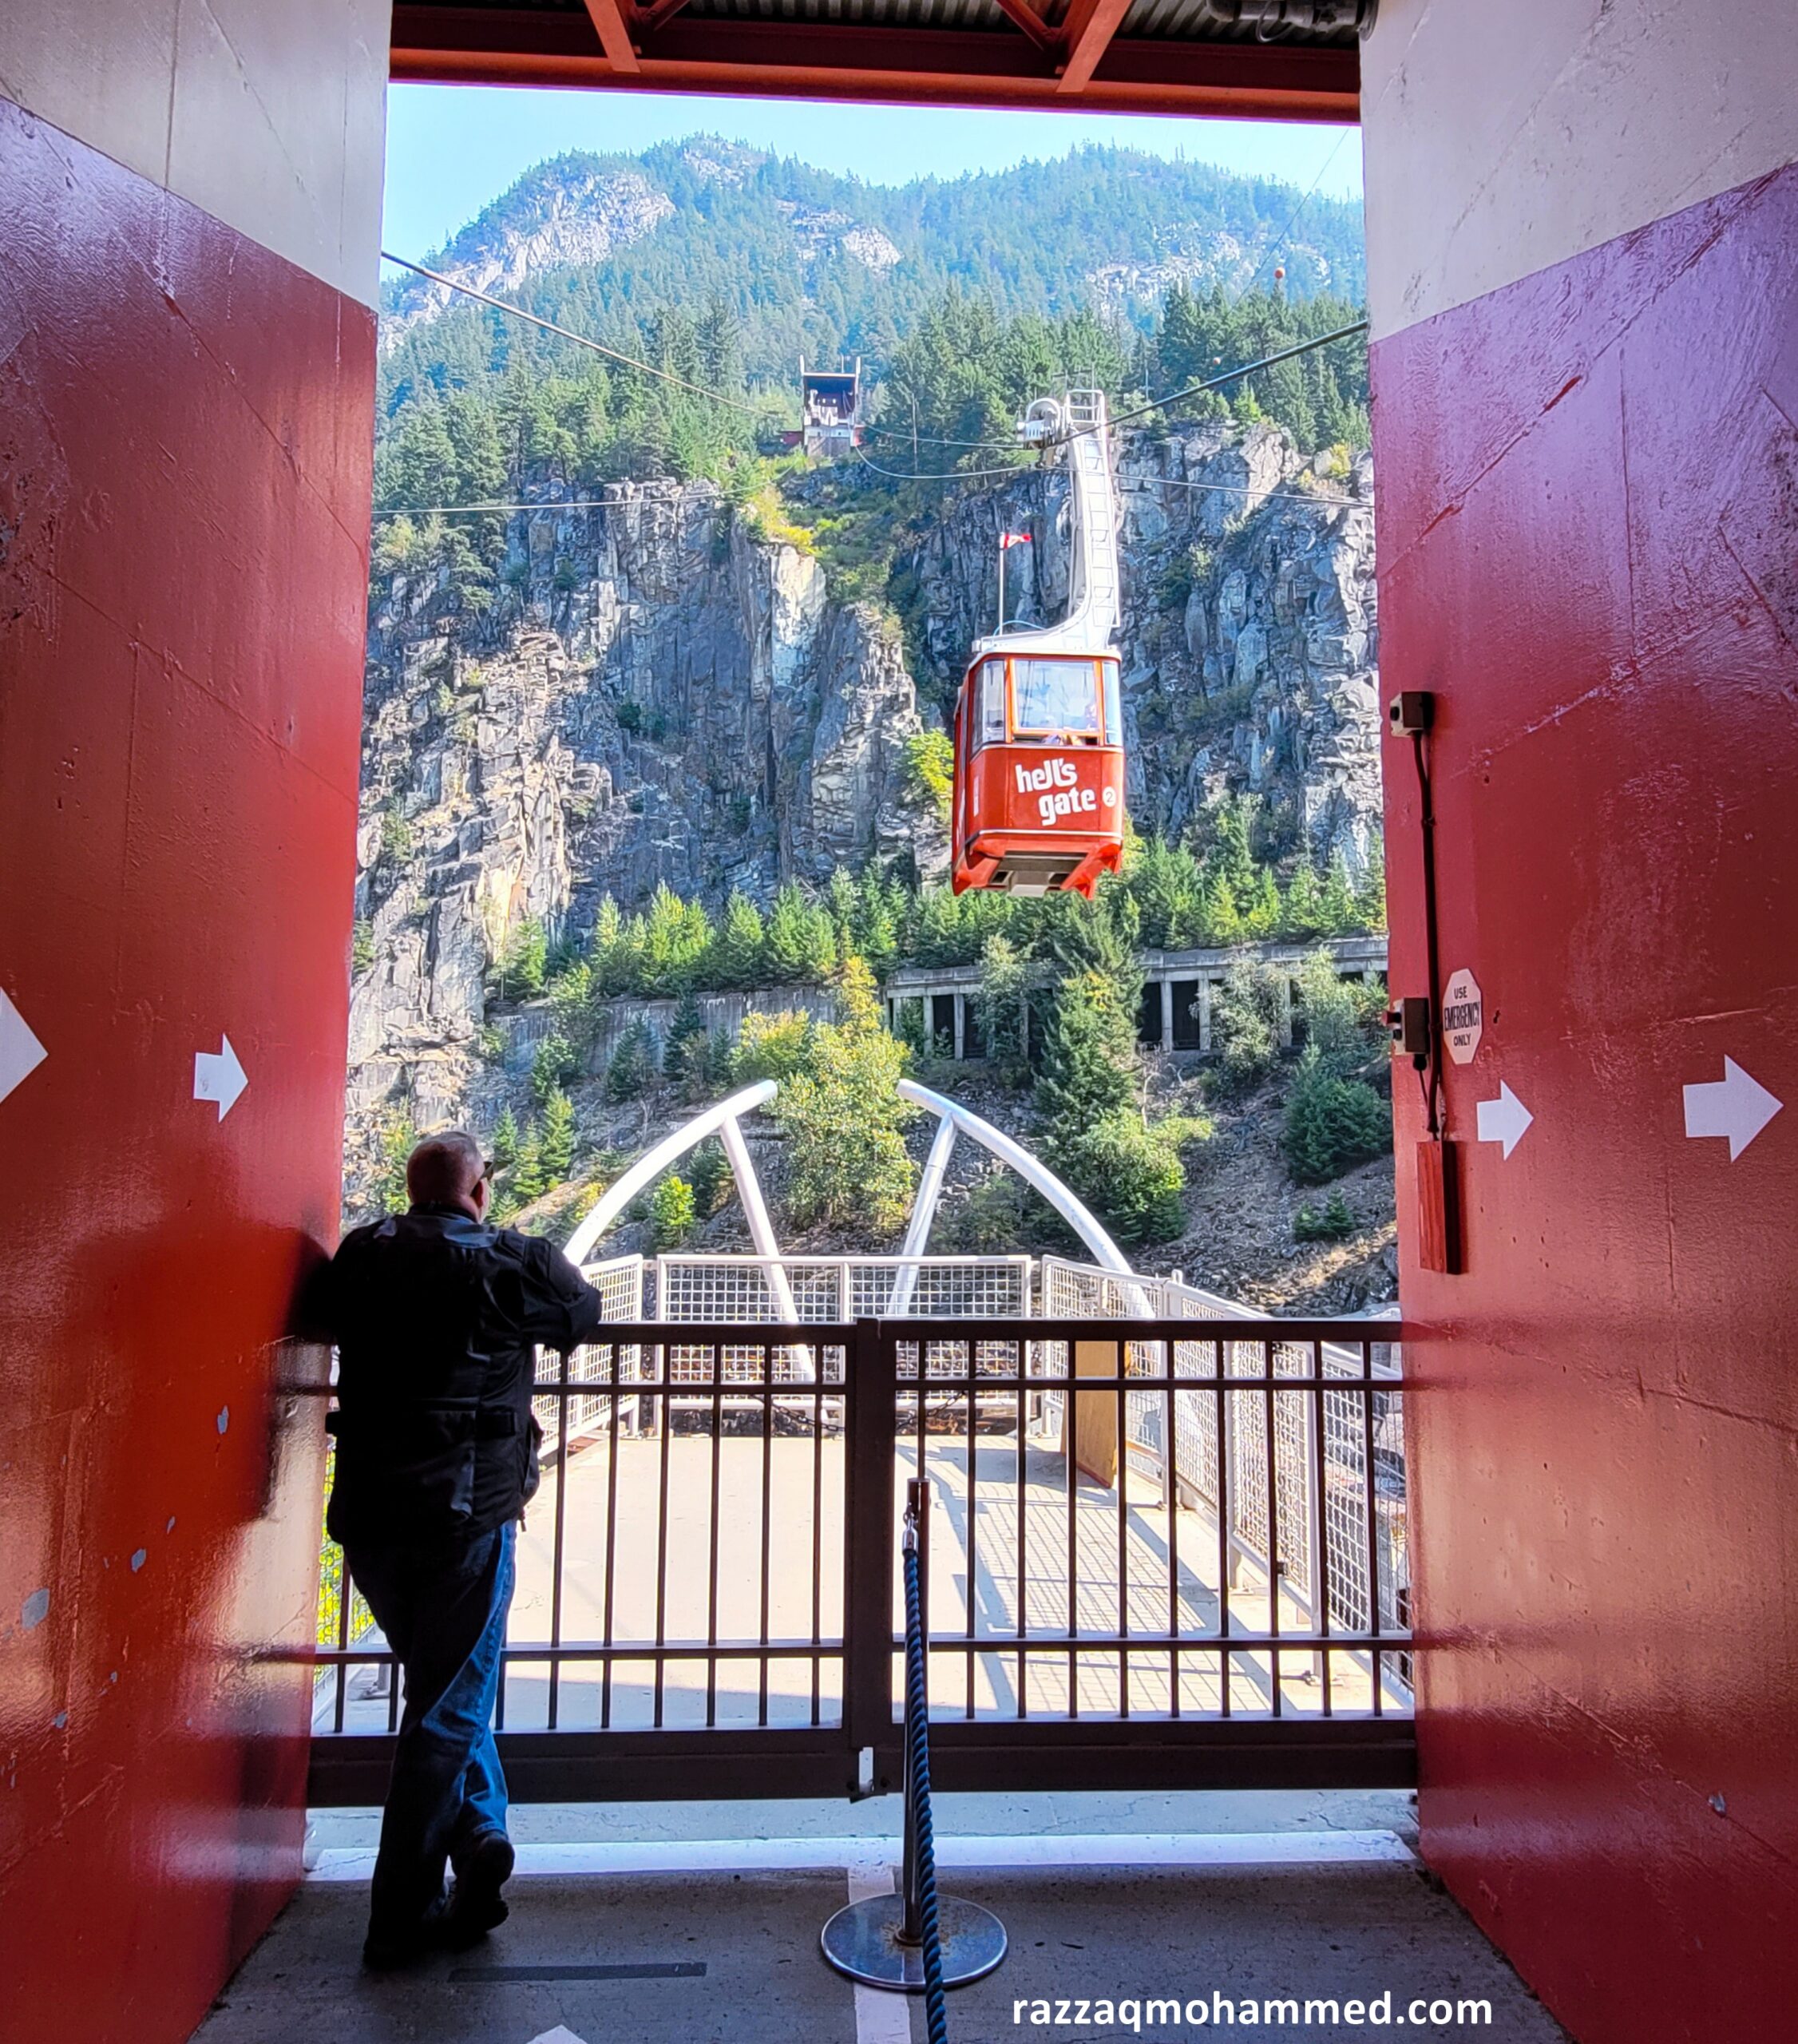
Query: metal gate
[708, 1601]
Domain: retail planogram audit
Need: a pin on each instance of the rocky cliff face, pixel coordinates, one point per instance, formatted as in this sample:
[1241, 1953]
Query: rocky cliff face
[659, 694]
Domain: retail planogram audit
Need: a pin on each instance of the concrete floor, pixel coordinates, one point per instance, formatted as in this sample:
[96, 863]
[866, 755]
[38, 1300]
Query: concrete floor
[731, 1957]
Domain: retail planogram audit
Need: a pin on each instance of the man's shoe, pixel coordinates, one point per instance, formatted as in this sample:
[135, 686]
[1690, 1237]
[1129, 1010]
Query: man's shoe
[476, 1904]
[384, 1952]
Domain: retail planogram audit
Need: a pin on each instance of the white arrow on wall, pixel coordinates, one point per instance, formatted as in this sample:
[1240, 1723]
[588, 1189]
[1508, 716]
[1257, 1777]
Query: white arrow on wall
[1504, 1120]
[21, 1053]
[1734, 1107]
[217, 1076]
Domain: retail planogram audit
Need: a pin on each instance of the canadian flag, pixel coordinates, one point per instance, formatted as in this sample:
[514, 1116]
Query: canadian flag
[1007, 541]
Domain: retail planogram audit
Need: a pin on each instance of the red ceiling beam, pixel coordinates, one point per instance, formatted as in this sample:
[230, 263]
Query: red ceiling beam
[1021, 15]
[845, 60]
[1085, 37]
[615, 33]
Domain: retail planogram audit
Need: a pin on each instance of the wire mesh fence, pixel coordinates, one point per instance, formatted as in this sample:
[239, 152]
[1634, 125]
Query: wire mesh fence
[1317, 1470]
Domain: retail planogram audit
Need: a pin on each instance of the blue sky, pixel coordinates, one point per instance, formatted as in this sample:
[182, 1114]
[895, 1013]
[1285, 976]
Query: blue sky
[451, 148]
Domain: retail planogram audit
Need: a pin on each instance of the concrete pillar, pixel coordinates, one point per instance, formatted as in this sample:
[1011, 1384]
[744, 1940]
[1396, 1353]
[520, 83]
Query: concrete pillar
[1205, 1010]
[1167, 1015]
[960, 1000]
[1285, 1012]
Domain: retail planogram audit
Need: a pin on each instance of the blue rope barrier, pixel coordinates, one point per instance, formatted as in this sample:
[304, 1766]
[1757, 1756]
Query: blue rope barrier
[917, 1789]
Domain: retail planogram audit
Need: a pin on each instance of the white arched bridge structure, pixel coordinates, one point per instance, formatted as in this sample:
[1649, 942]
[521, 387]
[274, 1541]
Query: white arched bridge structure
[724, 1120]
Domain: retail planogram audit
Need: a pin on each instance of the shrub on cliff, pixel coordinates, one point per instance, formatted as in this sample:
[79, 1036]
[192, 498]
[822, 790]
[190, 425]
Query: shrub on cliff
[1332, 1124]
[842, 1115]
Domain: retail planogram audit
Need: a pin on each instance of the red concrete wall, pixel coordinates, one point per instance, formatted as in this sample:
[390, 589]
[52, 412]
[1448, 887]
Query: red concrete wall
[1589, 549]
[185, 431]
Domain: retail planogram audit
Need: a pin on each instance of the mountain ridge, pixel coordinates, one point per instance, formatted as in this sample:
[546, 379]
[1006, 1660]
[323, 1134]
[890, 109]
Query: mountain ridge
[818, 263]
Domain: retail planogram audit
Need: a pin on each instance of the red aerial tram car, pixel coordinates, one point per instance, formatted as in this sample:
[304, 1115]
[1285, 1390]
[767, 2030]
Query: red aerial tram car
[1038, 799]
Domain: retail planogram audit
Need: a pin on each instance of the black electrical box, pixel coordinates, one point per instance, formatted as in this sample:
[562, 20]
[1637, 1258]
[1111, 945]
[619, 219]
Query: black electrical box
[1409, 1023]
[1411, 711]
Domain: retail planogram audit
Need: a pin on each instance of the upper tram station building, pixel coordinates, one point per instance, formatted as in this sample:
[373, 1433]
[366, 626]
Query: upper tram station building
[1583, 222]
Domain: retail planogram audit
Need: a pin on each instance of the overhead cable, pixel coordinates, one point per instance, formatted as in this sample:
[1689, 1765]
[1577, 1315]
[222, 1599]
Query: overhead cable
[580, 340]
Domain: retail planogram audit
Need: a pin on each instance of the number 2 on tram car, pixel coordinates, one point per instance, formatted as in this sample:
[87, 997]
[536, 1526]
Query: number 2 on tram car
[1039, 794]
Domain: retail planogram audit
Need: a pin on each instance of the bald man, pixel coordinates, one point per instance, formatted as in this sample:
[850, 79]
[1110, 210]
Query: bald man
[437, 1316]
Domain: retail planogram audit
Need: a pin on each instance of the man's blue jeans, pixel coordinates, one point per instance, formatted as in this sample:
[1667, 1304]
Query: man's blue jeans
[443, 1609]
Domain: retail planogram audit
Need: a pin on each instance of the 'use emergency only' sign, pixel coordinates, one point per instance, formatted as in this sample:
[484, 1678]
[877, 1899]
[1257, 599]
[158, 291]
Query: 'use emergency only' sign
[1462, 1016]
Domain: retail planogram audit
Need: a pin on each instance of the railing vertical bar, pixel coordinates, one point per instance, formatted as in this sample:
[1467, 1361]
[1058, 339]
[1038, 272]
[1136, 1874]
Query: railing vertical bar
[1226, 1506]
[1170, 1490]
[767, 1528]
[1068, 1410]
[557, 1542]
[818, 1528]
[347, 1590]
[711, 1598]
[611, 1528]
[1271, 1458]
[1373, 1625]
[1320, 1542]
[1120, 1364]
[973, 1537]
[662, 1535]
[1022, 1350]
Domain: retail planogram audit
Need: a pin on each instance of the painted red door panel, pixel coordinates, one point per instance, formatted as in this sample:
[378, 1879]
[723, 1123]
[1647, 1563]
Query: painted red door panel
[1587, 500]
[183, 472]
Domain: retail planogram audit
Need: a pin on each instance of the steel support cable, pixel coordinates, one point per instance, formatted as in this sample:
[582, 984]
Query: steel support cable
[917, 1793]
[580, 340]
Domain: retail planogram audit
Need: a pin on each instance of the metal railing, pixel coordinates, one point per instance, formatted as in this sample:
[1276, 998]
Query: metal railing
[707, 1594]
[1318, 1449]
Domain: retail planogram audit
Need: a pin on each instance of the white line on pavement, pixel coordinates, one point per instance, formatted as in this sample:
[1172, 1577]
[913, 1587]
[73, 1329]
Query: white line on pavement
[1165, 1849]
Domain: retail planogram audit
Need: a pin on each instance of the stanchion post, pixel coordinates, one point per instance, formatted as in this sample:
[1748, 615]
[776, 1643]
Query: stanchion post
[880, 1941]
[917, 1541]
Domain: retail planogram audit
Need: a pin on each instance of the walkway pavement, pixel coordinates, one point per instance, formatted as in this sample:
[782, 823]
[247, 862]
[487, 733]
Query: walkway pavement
[706, 1949]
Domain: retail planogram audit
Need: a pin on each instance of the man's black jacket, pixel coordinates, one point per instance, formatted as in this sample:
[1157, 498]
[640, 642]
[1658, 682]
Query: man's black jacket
[436, 1318]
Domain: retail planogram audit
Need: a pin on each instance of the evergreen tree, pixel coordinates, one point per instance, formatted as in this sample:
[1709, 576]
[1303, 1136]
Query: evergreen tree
[423, 471]
[676, 935]
[505, 1141]
[1336, 904]
[553, 1065]
[1004, 978]
[801, 943]
[522, 960]
[1303, 915]
[843, 1116]
[739, 950]
[683, 1051]
[1332, 1124]
[1370, 894]
[387, 1193]
[1089, 1059]
[1221, 921]
[711, 1179]
[672, 1214]
[556, 1141]
[1265, 910]
[1165, 881]
[528, 1179]
[876, 935]
[628, 1073]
